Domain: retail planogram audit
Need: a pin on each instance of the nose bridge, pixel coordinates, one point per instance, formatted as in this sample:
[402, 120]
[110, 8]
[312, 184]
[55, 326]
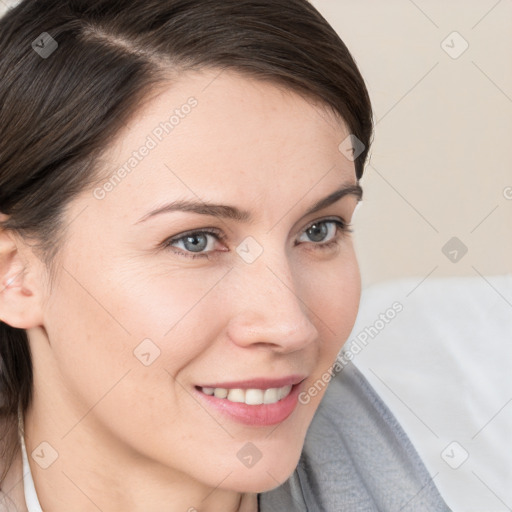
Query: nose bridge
[269, 308]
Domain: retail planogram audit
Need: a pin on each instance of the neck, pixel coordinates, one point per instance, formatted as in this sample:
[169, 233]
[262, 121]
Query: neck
[86, 469]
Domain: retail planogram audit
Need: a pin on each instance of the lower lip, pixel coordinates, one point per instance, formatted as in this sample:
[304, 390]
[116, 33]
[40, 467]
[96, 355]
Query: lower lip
[255, 415]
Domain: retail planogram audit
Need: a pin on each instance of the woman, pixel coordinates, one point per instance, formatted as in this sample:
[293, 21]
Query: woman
[177, 183]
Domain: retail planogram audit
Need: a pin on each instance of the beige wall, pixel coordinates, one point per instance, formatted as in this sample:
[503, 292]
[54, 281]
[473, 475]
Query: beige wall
[442, 155]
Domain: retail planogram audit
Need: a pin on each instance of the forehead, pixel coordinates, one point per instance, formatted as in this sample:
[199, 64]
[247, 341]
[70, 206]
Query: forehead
[218, 134]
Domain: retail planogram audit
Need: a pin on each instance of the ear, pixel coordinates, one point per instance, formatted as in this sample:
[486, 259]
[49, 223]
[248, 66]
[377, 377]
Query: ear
[21, 282]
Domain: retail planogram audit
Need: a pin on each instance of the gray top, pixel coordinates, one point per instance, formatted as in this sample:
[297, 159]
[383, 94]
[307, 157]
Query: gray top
[356, 458]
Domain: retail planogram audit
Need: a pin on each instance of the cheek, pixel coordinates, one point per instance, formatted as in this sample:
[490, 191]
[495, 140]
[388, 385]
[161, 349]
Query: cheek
[118, 350]
[91, 342]
[332, 292]
[133, 335]
[335, 303]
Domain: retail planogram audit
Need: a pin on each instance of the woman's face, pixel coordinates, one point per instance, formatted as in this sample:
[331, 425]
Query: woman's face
[143, 318]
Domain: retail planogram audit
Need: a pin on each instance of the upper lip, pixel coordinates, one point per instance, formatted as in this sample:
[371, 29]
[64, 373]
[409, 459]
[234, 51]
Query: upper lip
[258, 383]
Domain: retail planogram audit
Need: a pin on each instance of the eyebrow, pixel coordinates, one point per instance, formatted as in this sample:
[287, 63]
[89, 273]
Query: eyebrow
[234, 213]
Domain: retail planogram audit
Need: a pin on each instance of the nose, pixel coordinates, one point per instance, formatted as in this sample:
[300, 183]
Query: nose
[269, 311]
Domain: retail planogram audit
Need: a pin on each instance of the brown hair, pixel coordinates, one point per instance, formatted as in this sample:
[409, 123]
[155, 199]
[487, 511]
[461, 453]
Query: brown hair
[63, 100]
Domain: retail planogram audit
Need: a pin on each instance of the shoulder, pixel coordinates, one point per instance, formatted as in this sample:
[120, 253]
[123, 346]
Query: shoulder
[356, 457]
[362, 452]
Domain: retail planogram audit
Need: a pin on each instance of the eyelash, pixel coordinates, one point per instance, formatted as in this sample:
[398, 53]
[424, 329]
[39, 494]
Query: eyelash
[342, 229]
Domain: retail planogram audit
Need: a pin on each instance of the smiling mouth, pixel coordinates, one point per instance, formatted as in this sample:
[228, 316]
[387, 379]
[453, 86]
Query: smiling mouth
[249, 396]
[257, 402]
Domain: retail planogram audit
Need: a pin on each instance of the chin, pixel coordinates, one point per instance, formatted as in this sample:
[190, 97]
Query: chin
[264, 476]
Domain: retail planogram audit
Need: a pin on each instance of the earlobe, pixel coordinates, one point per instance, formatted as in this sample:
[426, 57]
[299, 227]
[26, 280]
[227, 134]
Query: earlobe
[20, 304]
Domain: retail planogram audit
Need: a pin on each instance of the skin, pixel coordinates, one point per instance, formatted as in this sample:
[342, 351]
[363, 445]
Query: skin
[131, 436]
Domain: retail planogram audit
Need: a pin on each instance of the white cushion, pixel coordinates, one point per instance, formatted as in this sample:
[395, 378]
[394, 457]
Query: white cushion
[441, 359]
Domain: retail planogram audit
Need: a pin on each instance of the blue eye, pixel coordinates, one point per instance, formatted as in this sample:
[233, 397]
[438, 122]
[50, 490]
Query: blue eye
[323, 234]
[195, 244]
[324, 229]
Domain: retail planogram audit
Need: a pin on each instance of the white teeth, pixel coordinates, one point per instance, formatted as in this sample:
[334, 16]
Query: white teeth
[250, 396]
[220, 392]
[284, 391]
[253, 396]
[271, 396]
[236, 395]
